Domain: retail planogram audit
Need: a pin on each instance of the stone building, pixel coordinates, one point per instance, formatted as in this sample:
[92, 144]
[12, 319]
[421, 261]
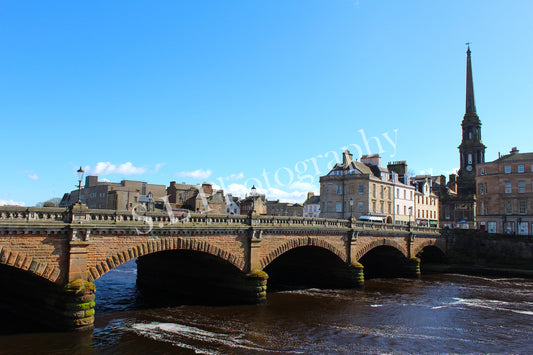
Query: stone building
[404, 199]
[505, 194]
[354, 189]
[198, 198]
[311, 206]
[124, 195]
[254, 202]
[426, 202]
[232, 205]
[277, 208]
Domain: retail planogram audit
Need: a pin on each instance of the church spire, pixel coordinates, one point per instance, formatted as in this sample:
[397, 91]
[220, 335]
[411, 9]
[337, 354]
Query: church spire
[470, 103]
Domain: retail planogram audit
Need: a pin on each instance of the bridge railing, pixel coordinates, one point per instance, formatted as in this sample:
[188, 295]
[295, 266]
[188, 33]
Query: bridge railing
[44, 215]
[20, 214]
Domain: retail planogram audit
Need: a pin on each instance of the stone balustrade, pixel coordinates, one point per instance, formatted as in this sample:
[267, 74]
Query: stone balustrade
[15, 215]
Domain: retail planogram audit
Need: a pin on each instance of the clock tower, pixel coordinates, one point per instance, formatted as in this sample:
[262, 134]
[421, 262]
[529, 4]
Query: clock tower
[471, 150]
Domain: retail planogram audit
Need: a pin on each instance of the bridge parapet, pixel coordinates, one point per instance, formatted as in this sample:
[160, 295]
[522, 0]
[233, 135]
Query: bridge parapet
[16, 216]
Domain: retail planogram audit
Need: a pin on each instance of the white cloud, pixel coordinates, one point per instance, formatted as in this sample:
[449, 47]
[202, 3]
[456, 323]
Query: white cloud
[11, 203]
[271, 193]
[107, 168]
[196, 174]
[426, 172]
[159, 166]
[234, 176]
[305, 186]
[33, 176]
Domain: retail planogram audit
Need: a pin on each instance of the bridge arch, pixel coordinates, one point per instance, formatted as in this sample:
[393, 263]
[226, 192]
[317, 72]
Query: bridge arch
[297, 243]
[158, 245]
[428, 243]
[371, 244]
[27, 263]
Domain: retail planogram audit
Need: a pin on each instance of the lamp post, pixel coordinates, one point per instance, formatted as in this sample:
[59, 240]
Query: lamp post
[254, 191]
[80, 177]
[351, 208]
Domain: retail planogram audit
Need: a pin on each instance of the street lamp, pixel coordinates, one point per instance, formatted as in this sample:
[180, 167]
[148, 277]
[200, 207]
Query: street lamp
[80, 177]
[351, 207]
[253, 198]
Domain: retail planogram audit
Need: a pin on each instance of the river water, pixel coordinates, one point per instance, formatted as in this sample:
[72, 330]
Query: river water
[436, 314]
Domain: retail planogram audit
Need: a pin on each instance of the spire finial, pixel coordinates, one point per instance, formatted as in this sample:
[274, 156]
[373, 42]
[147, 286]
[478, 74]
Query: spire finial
[470, 103]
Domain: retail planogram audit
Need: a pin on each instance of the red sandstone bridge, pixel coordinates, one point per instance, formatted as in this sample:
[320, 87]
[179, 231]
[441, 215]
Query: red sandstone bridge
[50, 257]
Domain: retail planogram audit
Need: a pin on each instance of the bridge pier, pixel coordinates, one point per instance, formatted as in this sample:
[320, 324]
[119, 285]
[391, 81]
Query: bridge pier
[412, 268]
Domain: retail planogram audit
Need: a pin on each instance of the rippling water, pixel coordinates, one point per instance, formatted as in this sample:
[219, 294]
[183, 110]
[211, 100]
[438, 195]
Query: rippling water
[437, 314]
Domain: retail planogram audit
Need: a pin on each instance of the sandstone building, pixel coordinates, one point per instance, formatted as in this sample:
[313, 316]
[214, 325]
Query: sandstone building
[124, 195]
[505, 194]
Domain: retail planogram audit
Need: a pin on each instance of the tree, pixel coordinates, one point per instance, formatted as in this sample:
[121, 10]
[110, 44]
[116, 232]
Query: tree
[53, 202]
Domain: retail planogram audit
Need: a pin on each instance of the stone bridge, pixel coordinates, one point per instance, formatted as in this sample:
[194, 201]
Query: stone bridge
[50, 257]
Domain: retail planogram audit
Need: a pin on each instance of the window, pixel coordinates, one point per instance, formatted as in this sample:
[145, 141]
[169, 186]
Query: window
[339, 189]
[374, 206]
[338, 207]
[481, 207]
[520, 168]
[481, 189]
[521, 186]
[507, 187]
[404, 194]
[469, 158]
[411, 196]
[492, 227]
[522, 228]
[404, 210]
[397, 193]
[397, 209]
[361, 188]
[507, 169]
[382, 191]
[361, 206]
[508, 207]
[381, 207]
[482, 171]
[374, 190]
[522, 206]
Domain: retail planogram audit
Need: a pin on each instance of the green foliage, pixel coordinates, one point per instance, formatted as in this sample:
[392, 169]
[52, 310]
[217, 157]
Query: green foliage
[357, 265]
[257, 274]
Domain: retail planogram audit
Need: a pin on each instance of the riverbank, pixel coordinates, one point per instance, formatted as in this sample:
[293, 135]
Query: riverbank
[524, 271]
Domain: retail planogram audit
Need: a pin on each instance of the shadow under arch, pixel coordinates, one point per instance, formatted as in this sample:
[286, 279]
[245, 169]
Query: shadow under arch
[432, 259]
[161, 245]
[177, 277]
[22, 300]
[309, 267]
[384, 261]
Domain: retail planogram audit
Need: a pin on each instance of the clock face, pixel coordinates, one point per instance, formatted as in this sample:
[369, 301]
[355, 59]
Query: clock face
[469, 168]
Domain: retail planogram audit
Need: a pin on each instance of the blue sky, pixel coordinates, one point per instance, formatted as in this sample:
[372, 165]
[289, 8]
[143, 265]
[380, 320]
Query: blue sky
[237, 93]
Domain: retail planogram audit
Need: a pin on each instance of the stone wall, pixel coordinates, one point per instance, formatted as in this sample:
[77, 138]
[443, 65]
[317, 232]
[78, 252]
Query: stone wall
[482, 247]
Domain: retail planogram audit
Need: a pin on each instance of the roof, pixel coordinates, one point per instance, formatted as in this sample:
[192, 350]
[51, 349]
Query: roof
[354, 166]
[515, 157]
[313, 200]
